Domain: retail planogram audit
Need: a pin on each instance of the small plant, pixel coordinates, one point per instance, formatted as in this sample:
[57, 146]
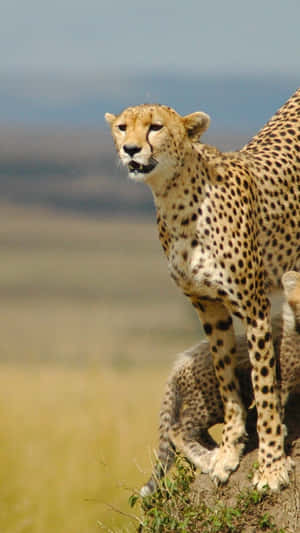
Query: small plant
[220, 519]
[255, 467]
[169, 509]
[249, 498]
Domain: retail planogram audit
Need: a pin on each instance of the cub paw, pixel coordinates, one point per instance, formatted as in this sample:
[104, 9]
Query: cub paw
[203, 461]
[224, 460]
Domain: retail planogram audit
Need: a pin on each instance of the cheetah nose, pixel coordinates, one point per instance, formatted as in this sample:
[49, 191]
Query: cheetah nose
[131, 149]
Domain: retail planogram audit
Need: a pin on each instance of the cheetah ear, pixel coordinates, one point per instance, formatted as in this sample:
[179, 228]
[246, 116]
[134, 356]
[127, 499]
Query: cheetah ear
[290, 281]
[196, 124]
[109, 117]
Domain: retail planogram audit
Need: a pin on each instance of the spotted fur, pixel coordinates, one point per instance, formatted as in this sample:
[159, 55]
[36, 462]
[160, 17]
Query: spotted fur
[229, 224]
[192, 402]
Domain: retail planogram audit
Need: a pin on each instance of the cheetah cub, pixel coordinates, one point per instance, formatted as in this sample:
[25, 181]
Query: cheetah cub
[192, 401]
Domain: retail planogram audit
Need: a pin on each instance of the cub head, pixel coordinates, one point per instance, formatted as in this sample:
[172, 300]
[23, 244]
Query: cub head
[151, 139]
[291, 285]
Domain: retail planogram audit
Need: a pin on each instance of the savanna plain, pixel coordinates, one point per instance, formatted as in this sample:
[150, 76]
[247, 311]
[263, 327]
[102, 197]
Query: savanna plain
[90, 325]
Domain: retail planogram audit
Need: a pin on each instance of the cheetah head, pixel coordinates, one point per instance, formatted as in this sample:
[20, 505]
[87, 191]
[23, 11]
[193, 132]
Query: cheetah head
[151, 140]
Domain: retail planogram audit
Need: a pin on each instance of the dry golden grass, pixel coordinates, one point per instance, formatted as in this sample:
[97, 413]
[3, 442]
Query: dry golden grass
[71, 442]
[76, 290]
[89, 324]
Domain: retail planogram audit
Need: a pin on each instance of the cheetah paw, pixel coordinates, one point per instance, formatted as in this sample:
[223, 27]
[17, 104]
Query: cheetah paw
[275, 477]
[224, 461]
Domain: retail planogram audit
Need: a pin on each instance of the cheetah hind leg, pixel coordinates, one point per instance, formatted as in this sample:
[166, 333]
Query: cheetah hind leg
[276, 477]
[196, 445]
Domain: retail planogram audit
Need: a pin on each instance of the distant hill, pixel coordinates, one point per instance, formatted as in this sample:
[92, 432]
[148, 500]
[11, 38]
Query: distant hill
[74, 169]
[238, 103]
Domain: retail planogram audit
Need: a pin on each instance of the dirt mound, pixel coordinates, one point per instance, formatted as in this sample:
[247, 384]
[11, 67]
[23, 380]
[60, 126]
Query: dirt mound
[282, 509]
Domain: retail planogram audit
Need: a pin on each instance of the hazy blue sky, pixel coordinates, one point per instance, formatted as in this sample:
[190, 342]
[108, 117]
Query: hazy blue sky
[205, 36]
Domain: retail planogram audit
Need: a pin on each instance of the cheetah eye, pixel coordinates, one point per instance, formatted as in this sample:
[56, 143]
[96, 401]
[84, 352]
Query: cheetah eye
[122, 127]
[155, 127]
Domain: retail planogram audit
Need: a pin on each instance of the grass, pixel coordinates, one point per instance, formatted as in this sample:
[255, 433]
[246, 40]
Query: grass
[89, 325]
[72, 441]
[75, 290]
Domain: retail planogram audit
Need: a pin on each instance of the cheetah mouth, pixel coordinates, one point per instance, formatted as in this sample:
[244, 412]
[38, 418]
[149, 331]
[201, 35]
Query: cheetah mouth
[138, 168]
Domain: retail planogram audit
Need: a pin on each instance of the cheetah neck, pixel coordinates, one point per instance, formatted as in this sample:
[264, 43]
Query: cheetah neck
[184, 210]
[183, 189]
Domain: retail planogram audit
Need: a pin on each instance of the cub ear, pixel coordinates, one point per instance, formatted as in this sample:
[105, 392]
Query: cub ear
[196, 124]
[109, 117]
[291, 282]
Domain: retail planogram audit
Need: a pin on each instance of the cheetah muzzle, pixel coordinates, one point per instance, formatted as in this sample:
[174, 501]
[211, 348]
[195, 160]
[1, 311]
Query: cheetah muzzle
[137, 168]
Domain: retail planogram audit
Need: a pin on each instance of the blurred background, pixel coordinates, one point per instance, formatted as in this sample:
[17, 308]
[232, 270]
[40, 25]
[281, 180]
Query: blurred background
[90, 321]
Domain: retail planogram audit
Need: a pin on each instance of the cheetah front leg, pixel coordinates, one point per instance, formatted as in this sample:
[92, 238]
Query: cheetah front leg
[274, 466]
[217, 324]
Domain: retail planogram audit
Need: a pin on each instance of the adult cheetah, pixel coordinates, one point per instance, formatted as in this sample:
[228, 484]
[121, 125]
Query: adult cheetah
[229, 224]
[192, 402]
